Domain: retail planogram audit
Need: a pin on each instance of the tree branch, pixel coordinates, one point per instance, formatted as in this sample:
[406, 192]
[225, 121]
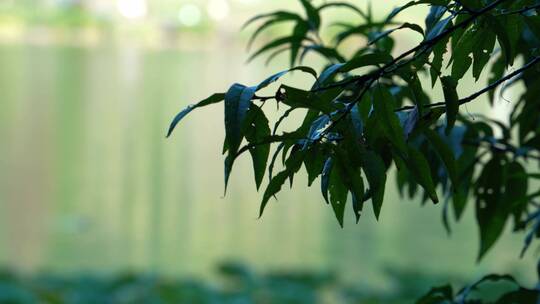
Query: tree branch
[490, 87]
[424, 44]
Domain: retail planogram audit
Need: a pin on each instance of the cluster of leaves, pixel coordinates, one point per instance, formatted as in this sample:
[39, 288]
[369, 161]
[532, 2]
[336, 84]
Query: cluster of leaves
[371, 110]
[469, 294]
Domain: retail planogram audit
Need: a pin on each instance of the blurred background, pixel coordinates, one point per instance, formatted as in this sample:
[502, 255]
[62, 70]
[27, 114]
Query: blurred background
[89, 184]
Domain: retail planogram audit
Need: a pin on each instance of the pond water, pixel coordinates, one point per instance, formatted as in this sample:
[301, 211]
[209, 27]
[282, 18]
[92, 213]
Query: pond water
[89, 182]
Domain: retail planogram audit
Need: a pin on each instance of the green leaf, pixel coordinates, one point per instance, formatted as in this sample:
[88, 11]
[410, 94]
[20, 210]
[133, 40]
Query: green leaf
[383, 106]
[357, 122]
[516, 190]
[491, 212]
[314, 163]
[366, 60]
[215, 98]
[278, 17]
[297, 98]
[533, 23]
[276, 14]
[312, 13]
[346, 5]
[497, 72]
[482, 53]
[293, 164]
[399, 9]
[418, 95]
[327, 75]
[419, 168]
[352, 177]
[445, 153]
[338, 193]
[508, 30]
[330, 54]
[256, 133]
[277, 76]
[325, 179]
[300, 31]
[451, 100]
[438, 56]
[432, 20]
[375, 171]
[406, 25]
[276, 43]
[273, 188]
[237, 103]
[461, 59]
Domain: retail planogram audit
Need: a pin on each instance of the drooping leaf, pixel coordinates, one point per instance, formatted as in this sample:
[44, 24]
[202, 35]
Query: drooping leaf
[451, 100]
[215, 98]
[345, 5]
[375, 171]
[297, 98]
[406, 25]
[275, 44]
[482, 53]
[383, 106]
[299, 33]
[237, 103]
[366, 60]
[276, 14]
[276, 18]
[293, 164]
[312, 13]
[314, 163]
[256, 132]
[419, 168]
[273, 188]
[327, 75]
[338, 193]
[491, 212]
[352, 177]
[277, 76]
[325, 180]
[461, 56]
[445, 153]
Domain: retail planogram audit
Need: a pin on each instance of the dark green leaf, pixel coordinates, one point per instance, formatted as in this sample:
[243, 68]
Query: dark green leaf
[237, 103]
[218, 97]
[411, 26]
[375, 171]
[491, 212]
[451, 100]
[312, 13]
[445, 153]
[256, 132]
[384, 105]
[338, 193]
[277, 18]
[419, 168]
[325, 180]
[366, 60]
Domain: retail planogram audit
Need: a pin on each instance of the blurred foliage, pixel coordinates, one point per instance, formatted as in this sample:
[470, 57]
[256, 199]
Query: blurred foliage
[240, 284]
[237, 284]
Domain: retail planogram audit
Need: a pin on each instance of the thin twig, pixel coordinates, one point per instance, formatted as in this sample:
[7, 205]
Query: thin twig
[520, 11]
